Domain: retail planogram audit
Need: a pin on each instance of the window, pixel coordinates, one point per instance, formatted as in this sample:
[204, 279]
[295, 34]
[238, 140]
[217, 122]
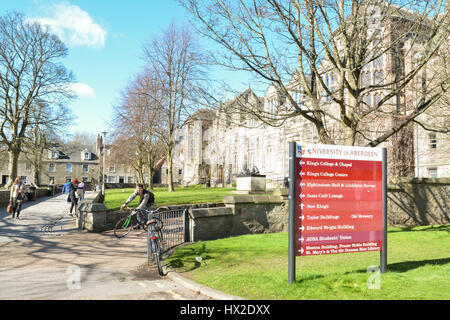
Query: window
[53, 154]
[377, 99]
[296, 96]
[432, 173]
[85, 179]
[378, 62]
[28, 166]
[112, 168]
[111, 179]
[180, 171]
[85, 168]
[432, 141]
[367, 102]
[272, 107]
[52, 167]
[366, 79]
[68, 167]
[331, 82]
[378, 75]
[326, 79]
[87, 156]
[130, 179]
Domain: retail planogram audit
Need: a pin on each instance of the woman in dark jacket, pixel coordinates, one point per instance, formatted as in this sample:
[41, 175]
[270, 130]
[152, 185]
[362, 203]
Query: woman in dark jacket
[73, 196]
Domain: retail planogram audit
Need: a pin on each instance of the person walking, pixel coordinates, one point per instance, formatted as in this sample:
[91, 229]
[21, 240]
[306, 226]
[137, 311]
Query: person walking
[16, 197]
[66, 186]
[81, 190]
[52, 187]
[73, 196]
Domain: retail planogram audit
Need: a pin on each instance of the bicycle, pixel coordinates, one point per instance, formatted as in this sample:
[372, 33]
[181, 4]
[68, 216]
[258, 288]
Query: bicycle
[154, 239]
[125, 225]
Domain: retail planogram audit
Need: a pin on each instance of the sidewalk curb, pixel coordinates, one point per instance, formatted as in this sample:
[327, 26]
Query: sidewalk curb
[202, 289]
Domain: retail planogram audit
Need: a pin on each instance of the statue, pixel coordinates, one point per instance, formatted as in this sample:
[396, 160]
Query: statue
[249, 173]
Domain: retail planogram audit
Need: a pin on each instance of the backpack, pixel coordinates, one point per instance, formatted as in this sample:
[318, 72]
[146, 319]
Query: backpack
[151, 198]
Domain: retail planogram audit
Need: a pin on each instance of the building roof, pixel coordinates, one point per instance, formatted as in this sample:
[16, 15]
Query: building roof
[73, 153]
[203, 114]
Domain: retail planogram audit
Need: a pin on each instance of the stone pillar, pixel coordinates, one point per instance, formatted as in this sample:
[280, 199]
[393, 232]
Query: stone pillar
[91, 217]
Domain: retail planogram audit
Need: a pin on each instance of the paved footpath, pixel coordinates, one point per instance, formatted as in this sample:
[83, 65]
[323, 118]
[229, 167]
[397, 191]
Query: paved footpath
[44, 257]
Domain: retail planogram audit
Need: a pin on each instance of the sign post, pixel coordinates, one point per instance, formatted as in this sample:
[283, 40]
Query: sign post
[338, 197]
[292, 205]
[383, 253]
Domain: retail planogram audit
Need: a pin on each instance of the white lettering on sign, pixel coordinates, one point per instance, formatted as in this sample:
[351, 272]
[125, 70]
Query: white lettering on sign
[333, 152]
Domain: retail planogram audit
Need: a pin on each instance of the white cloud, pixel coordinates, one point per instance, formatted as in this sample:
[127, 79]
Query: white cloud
[73, 25]
[82, 90]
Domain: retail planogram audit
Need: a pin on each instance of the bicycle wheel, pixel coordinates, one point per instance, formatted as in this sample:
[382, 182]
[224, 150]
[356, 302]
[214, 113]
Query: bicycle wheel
[158, 226]
[157, 255]
[123, 227]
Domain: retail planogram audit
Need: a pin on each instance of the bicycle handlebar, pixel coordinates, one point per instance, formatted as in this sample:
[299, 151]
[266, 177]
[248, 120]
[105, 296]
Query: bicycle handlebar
[148, 210]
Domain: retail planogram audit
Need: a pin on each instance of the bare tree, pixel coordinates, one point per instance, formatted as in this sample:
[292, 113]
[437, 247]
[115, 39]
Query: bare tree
[351, 62]
[135, 141]
[177, 65]
[31, 77]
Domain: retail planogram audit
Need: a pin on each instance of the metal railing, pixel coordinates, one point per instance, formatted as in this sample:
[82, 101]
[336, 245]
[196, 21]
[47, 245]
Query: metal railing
[175, 228]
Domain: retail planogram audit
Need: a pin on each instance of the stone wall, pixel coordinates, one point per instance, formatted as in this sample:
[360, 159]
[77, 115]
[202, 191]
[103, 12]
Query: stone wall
[5, 194]
[419, 201]
[242, 214]
[410, 203]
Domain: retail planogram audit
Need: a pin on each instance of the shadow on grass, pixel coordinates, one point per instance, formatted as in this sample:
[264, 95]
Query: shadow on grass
[410, 265]
[445, 227]
[187, 257]
[406, 266]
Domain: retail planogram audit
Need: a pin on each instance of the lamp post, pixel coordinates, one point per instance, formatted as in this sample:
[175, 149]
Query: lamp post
[104, 162]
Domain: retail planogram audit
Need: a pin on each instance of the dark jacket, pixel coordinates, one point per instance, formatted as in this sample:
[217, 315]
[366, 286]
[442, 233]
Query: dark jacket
[72, 190]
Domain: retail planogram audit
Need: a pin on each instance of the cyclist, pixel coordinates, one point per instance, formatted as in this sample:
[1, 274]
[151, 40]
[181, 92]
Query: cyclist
[147, 199]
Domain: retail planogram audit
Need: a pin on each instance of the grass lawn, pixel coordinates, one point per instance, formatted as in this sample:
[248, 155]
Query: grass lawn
[256, 267]
[188, 195]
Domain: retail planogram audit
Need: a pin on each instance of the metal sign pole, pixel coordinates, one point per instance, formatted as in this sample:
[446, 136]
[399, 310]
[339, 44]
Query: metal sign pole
[149, 243]
[383, 253]
[292, 204]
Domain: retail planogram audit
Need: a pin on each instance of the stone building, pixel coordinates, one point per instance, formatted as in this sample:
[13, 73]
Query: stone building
[219, 144]
[67, 162]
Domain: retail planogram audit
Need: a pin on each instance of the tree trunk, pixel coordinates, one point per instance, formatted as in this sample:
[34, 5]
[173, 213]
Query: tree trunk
[37, 176]
[13, 164]
[150, 170]
[37, 163]
[169, 173]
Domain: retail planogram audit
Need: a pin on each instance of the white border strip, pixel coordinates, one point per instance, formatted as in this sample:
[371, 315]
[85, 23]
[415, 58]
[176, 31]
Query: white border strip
[335, 152]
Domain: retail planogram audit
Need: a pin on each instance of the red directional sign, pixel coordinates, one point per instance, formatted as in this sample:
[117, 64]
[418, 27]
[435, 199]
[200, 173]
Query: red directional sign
[339, 199]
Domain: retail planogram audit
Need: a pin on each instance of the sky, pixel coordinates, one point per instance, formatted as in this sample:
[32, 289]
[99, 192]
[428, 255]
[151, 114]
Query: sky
[104, 40]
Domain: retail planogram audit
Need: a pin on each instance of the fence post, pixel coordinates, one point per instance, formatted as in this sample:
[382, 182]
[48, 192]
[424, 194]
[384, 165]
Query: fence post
[186, 225]
[149, 244]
